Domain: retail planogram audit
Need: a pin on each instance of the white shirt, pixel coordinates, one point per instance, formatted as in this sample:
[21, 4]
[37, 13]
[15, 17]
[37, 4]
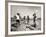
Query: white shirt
[17, 16]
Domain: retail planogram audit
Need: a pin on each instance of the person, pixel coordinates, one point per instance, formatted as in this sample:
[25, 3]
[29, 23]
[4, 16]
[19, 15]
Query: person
[28, 19]
[24, 18]
[34, 19]
[15, 17]
[18, 18]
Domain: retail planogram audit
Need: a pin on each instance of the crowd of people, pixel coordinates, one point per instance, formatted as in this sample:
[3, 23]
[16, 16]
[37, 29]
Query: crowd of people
[18, 18]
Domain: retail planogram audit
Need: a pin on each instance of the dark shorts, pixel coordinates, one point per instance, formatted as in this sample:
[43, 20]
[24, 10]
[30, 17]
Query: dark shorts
[18, 21]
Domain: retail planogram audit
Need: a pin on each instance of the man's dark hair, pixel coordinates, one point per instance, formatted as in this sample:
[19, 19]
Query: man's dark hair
[18, 14]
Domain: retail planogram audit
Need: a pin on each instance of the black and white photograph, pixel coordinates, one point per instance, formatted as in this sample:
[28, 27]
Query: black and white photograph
[25, 18]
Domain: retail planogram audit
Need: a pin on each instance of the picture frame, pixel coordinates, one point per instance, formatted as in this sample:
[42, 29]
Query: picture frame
[34, 5]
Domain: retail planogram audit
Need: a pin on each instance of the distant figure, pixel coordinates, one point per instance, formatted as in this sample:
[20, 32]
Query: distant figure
[28, 19]
[34, 19]
[24, 18]
[15, 17]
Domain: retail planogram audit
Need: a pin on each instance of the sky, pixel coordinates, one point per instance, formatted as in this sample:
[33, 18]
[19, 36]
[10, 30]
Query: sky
[26, 11]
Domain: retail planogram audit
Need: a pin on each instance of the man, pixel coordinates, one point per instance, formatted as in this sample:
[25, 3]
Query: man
[34, 19]
[28, 19]
[18, 18]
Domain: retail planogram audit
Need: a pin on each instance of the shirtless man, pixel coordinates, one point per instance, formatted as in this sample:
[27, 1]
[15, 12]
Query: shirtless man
[34, 19]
